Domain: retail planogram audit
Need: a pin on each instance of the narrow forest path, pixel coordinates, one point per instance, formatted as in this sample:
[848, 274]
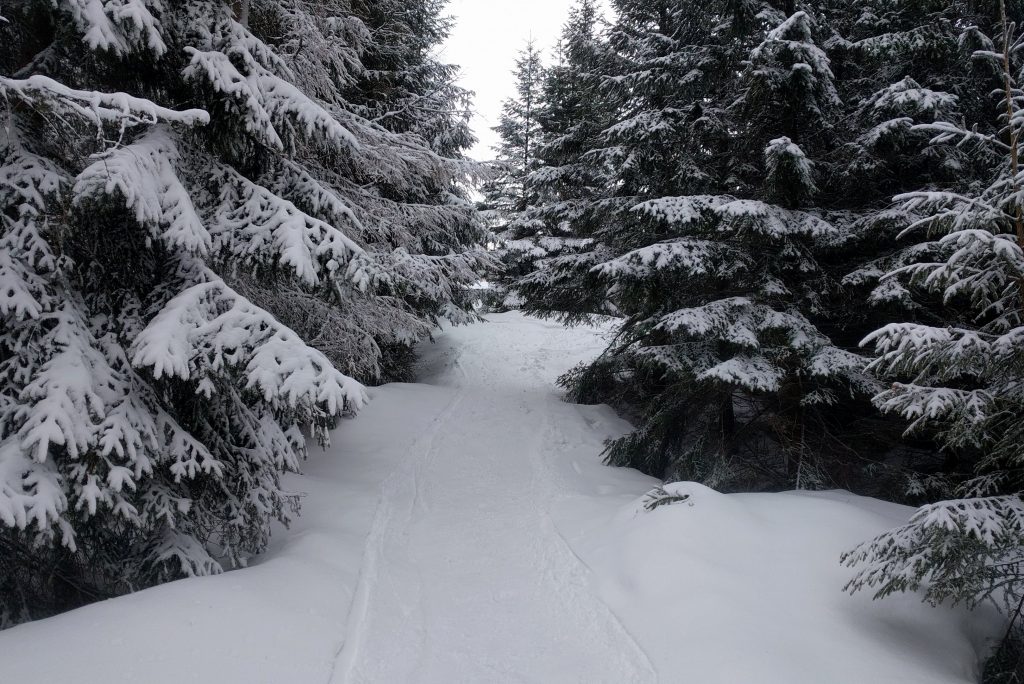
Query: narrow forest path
[465, 577]
[425, 551]
[462, 530]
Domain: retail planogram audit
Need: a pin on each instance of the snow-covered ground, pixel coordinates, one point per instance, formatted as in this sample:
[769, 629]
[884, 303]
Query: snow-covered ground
[463, 530]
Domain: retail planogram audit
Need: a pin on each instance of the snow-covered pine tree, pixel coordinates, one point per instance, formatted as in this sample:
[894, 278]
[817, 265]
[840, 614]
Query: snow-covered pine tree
[405, 191]
[413, 93]
[912, 64]
[959, 378]
[902, 64]
[655, 71]
[147, 405]
[788, 105]
[405, 87]
[712, 252]
[508, 195]
[569, 181]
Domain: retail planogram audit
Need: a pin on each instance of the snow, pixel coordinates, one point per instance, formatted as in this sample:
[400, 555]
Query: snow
[754, 373]
[267, 101]
[907, 96]
[775, 222]
[97, 107]
[692, 256]
[751, 594]
[464, 530]
[682, 210]
[209, 326]
[257, 225]
[144, 176]
[114, 24]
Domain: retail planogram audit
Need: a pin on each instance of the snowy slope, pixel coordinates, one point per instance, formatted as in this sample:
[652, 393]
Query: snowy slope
[464, 530]
[721, 589]
[281, 621]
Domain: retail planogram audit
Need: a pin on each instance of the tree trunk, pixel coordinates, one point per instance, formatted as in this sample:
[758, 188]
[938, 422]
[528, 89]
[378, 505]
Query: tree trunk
[241, 10]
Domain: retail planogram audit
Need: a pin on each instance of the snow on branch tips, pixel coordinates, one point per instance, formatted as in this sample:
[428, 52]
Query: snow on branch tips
[46, 94]
[774, 222]
[929, 553]
[117, 26]
[209, 328]
[143, 174]
[691, 256]
[256, 225]
[266, 101]
[754, 373]
[741, 322]
[907, 97]
[680, 211]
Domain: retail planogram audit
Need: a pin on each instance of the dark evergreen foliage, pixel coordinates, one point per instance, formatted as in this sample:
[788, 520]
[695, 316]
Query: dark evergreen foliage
[734, 169]
[214, 215]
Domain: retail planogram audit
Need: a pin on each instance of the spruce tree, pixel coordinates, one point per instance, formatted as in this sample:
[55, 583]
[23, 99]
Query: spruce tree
[406, 192]
[655, 66]
[404, 86]
[712, 247]
[899, 64]
[508, 195]
[149, 400]
[956, 375]
[570, 180]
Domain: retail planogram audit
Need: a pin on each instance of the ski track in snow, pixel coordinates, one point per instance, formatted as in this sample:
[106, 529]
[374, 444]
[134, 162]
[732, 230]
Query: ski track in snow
[465, 577]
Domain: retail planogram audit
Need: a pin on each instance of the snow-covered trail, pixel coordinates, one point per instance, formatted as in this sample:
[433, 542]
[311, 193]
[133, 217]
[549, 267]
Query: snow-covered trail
[462, 530]
[466, 578]
[424, 551]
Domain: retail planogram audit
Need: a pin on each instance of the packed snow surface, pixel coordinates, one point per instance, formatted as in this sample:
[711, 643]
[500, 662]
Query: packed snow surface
[463, 530]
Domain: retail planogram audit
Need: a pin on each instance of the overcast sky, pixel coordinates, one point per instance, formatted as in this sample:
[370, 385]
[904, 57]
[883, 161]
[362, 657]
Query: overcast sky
[486, 39]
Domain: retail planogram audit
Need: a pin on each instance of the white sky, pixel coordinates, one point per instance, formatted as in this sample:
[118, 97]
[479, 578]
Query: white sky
[485, 42]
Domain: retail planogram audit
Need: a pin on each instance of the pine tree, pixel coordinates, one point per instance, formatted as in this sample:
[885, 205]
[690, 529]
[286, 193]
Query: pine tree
[788, 102]
[654, 71]
[569, 180]
[407, 193]
[148, 404]
[899, 64]
[908, 64]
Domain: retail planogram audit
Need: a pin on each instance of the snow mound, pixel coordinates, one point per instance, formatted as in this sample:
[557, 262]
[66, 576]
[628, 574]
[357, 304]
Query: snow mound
[734, 588]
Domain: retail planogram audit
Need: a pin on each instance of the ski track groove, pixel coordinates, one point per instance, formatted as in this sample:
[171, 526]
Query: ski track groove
[348, 651]
[548, 476]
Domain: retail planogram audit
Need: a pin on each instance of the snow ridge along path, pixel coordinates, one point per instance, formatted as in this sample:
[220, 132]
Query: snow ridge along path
[463, 531]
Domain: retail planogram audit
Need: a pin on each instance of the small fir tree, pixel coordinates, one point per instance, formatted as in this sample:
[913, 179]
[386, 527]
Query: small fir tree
[508, 195]
[569, 180]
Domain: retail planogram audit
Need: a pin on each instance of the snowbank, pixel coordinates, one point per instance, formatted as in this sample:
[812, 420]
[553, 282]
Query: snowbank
[747, 588]
[280, 621]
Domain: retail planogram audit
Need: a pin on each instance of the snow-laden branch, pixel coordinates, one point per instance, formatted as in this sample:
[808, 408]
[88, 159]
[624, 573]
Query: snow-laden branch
[256, 225]
[117, 25]
[209, 328]
[93, 106]
[143, 176]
